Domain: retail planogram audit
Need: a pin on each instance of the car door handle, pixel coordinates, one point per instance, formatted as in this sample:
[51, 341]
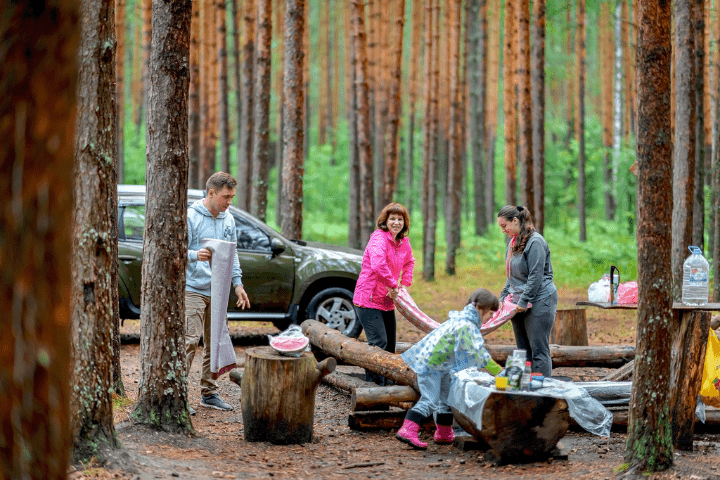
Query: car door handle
[127, 258]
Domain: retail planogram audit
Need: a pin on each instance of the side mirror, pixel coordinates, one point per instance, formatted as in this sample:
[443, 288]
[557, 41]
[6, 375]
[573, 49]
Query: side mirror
[277, 246]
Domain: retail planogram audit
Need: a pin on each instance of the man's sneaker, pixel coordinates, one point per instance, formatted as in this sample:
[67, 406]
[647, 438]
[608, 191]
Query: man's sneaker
[214, 401]
[192, 410]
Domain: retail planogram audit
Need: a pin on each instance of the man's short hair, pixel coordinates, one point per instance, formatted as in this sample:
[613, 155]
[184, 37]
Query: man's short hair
[220, 180]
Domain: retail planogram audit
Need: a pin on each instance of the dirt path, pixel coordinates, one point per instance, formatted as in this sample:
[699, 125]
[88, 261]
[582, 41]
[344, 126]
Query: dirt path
[219, 450]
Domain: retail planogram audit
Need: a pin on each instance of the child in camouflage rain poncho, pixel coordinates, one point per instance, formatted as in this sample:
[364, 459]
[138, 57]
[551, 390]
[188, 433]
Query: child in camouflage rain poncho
[455, 345]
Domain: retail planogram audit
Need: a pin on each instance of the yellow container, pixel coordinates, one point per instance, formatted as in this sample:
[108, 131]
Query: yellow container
[501, 383]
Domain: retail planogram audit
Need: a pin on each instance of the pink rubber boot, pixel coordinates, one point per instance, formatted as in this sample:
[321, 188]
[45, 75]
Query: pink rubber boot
[408, 433]
[444, 432]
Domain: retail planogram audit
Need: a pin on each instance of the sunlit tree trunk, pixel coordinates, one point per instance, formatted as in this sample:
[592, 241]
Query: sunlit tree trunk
[394, 110]
[477, 81]
[493, 91]
[37, 118]
[293, 133]
[245, 147]
[324, 82]
[698, 218]
[455, 176]
[509, 98]
[354, 239]
[649, 443]
[94, 258]
[581, 117]
[194, 100]
[224, 115]
[120, 49]
[162, 393]
[685, 140]
[537, 68]
[363, 123]
[280, 95]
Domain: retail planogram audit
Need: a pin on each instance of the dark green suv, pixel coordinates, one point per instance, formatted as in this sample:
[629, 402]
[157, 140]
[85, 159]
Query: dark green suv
[287, 280]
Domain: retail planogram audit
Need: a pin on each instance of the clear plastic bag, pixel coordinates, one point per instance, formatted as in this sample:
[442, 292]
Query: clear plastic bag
[599, 291]
[291, 342]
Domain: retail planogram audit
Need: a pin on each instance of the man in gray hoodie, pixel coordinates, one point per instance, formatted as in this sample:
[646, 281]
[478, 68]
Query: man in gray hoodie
[208, 218]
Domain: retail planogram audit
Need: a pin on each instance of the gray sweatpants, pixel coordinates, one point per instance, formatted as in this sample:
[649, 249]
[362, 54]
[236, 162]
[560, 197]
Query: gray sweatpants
[532, 330]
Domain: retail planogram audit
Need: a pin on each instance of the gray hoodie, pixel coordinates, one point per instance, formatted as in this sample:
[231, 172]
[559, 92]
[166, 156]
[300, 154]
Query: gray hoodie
[531, 273]
[201, 224]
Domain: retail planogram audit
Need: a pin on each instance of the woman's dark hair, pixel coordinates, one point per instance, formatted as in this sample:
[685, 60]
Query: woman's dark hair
[398, 209]
[510, 212]
[484, 300]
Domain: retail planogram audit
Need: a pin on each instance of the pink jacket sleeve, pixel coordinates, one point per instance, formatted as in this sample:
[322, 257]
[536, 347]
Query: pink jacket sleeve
[377, 248]
[408, 267]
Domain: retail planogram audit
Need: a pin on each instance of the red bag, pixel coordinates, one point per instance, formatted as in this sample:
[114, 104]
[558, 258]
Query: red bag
[627, 293]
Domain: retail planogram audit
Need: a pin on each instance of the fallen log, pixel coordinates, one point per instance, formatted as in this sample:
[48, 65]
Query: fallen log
[371, 398]
[356, 353]
[384, 420]
[562, 355]
[346, 382]
[621, 374]
[620, 422]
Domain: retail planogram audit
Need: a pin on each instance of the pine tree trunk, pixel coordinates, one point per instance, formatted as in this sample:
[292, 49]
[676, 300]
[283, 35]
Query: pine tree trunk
[617, 99]
[685, 140]
[537, 68]
[194, 101]
[606, 102]
[162, 401]
[224, 115]
[509, 98]
[261, 137]
[365, 156]
[581, 117]
[354, 239]
[415, 48]
[430, 137]
[279, 87]
[120, 54]
[137, 65]
[210, 140]
[236, 22]
[455, 177]
[524, 101]
[94, 259]
[649, 443]
[39, 42]
[477, 81]
[493, 56]
[698, 217]
[144, 82]
[247, 128]
[306, 79]
[394, 110]
[293, 133]
[324, 41]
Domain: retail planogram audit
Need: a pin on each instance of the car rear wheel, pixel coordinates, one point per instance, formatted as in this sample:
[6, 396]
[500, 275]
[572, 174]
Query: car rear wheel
[334, 308]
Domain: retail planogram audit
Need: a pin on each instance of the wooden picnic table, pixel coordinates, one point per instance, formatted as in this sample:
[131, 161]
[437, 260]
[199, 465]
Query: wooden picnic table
[686, 369]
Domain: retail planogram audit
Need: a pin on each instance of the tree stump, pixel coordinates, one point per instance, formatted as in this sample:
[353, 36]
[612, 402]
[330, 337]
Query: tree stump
[278, 395]
[519, 428]
[570, 328]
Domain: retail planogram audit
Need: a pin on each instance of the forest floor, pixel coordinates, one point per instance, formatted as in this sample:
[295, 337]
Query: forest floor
[218, 449]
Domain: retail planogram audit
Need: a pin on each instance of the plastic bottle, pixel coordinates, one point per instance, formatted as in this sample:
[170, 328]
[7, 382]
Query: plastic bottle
[525, 381]
[696, 274]
[514, 374]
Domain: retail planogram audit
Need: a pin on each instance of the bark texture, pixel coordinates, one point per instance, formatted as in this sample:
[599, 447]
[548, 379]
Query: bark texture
[293, 126]
[477, 82]
[649, 444]
[537, 97]
[194, 101]
[580, 59]
[162, 392]
[684, 140]
[261, 136]
[698, 219]
[94, 259]
[245, 148]
[525, 150]
[509, 68]
[354, 236]
[39, 41]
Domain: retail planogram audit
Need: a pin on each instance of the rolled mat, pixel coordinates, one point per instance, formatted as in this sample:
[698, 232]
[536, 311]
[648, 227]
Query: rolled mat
[222, 353]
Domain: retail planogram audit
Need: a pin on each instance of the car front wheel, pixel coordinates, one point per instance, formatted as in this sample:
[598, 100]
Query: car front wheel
[334, 308]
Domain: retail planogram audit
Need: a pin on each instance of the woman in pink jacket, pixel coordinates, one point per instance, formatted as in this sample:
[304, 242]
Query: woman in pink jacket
[387, 255]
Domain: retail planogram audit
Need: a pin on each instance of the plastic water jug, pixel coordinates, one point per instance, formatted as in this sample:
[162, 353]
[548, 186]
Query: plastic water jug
[696, 278]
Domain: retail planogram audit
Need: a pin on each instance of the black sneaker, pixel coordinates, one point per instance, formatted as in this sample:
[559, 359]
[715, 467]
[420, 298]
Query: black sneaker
[214, 401]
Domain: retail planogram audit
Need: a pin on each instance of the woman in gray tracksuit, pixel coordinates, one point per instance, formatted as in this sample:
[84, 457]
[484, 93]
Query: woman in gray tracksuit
[530, 281]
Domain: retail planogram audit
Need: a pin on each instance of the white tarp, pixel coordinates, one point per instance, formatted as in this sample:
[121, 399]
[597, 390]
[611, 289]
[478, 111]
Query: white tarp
[222, 353]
